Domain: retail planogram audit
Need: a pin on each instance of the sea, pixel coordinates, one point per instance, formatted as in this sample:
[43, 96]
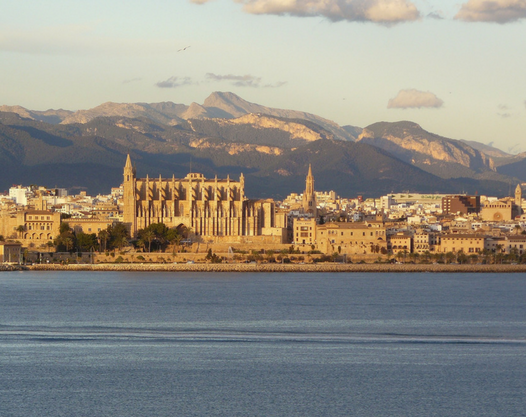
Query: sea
[262, 344]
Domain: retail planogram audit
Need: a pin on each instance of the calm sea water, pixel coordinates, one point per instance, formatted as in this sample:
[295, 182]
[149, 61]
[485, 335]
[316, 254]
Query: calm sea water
[192, 344]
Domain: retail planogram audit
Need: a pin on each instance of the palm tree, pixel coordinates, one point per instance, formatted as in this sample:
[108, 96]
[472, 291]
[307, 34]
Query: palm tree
[21, 229]
[103, 239]
[123, 242]
[148, 235]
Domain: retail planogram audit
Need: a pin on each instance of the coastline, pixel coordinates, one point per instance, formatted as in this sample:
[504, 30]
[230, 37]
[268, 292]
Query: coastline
[276, 267]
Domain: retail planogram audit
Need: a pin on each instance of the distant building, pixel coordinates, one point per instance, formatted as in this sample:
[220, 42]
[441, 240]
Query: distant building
[467, 243]
[213, 208]
[304, 231]
[497, 211]
[309, 196]
[352, 238]
[466, 204]
[401, 242]
[10, 252]
[20, 195]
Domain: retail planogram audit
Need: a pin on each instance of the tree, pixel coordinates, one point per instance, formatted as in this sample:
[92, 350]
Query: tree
[462, 258]
[117, 233]
[148, 235]
[103, 239]
[20, 229]
[86, 241]
[64, 227]
[450, 256]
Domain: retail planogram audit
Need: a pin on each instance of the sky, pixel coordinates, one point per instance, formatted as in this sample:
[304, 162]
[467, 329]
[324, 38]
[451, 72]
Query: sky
[457, 68]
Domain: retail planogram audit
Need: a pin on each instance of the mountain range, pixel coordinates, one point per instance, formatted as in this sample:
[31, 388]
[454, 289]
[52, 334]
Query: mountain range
[227, 135]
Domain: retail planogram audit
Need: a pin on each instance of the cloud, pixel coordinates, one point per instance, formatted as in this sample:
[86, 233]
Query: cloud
[236, 80]
[377, 11]
[411, 98]
[275, 85]
[504, 111]
[497, 11]
[132, 80]
[435, 15]
[174, 82]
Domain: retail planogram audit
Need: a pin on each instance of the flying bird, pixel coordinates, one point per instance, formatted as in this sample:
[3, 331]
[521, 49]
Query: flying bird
[184, 49]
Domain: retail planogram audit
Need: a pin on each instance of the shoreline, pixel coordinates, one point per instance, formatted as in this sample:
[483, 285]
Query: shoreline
[273, 267]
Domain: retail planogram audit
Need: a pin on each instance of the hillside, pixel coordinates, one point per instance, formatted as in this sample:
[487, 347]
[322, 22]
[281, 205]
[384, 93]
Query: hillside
[270, 151]
[443, 157]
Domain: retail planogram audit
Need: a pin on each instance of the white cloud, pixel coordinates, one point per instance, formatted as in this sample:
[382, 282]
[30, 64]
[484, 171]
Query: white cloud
[497, 11]
[378, 11]
[237, 80]
[411, 98]
[174, 82]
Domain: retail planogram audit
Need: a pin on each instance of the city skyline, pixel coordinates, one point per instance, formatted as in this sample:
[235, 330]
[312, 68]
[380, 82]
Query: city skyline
[454, 68]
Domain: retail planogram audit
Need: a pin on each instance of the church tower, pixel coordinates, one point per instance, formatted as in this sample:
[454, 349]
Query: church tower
[518, 198]
[309, 195]
[129, 198]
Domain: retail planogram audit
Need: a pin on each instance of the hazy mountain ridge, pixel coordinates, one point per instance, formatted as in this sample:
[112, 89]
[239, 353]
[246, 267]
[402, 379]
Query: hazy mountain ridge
[217, 105]
[92, 155]
[48, 116]
[230, 135]
[434, 153]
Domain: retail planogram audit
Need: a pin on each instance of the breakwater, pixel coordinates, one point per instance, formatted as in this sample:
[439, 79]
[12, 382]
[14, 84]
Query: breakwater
[276, 267]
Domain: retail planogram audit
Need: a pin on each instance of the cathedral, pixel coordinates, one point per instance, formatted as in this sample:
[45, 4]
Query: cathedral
[216, 208]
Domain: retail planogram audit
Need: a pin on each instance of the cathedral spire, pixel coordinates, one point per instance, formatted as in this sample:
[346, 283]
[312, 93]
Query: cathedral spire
[309, 195]
[128, 162]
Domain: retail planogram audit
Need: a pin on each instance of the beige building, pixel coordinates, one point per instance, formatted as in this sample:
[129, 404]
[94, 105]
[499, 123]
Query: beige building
[351, 238]
[424, 241]
[467, 243]
[401, 242]
[210, 207]
[10, 252]
[516, 243]
[497, 211]
[30, 226]
[304, 231]
[89, 225]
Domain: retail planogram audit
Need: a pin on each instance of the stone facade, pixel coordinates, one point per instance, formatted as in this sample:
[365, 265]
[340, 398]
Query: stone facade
[351, 238]
[10, 252]
[467, 243]
[214, 208]
[309, 203]
[30, 226]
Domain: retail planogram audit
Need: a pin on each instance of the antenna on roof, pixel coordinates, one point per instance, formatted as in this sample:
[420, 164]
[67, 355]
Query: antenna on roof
[190, 164]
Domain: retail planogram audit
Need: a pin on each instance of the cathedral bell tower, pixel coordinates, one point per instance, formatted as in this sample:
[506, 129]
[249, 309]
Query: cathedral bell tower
[129, 197]
[309, 195]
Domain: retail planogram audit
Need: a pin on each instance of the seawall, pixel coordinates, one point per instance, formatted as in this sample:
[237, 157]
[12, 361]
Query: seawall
[276, 267]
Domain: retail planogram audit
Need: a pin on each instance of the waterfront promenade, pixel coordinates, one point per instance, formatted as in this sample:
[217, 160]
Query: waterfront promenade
[277, 267]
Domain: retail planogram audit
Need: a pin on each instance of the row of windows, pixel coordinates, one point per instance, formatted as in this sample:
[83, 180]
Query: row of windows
[39, 217]
[334, 232]
[41, 227]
